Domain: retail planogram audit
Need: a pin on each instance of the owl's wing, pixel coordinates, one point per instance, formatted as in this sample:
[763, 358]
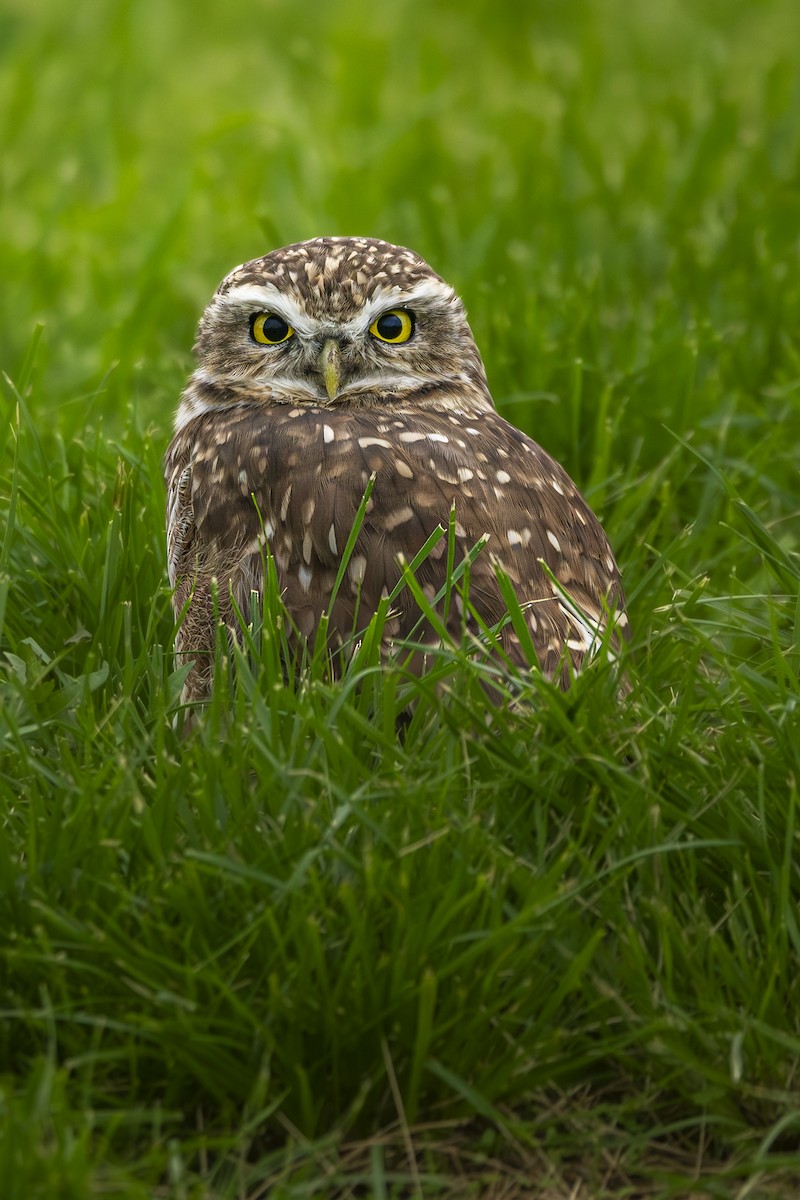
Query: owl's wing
[195, 555]
[180, 520]
[310, 470]
[540, 532]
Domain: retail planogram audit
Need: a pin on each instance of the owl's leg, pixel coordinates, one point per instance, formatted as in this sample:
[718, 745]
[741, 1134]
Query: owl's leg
[195, 648]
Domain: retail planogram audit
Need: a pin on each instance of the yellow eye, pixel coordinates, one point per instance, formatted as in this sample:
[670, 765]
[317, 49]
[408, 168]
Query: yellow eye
[394, 326]
[268, 329]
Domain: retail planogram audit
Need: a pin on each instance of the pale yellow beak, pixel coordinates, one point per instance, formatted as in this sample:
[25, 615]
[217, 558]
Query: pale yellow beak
[330, 364]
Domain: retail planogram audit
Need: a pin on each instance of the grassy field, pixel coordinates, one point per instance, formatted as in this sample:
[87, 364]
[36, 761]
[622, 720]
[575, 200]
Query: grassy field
[297, 955]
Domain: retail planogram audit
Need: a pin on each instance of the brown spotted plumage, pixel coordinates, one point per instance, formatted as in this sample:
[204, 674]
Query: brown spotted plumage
[298, 399]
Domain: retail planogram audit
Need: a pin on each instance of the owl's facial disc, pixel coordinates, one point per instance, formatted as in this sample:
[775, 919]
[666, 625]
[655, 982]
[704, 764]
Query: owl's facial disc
[314, 357]
[331, 331]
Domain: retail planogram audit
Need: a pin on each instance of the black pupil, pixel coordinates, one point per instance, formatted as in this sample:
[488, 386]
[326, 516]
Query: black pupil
[274, 328]
[390, 326]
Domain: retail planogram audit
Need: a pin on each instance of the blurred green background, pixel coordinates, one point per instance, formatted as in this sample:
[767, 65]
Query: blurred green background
[586, 172]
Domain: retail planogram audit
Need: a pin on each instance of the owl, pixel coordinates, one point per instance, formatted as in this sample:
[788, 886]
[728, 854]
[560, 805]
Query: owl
[341, 363]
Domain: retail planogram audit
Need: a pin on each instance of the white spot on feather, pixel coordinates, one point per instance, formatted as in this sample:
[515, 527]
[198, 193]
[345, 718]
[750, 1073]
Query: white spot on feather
[519, 537]
[398, 517]
[357, 568]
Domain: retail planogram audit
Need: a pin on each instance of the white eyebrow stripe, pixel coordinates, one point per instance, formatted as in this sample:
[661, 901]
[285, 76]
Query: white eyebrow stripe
[260, 297]
[252, 293]
[387, 298]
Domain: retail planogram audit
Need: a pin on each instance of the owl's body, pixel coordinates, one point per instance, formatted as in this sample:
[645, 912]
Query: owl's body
[327, 363]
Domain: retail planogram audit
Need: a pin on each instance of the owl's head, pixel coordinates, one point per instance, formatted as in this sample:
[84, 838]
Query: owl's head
[336, 321]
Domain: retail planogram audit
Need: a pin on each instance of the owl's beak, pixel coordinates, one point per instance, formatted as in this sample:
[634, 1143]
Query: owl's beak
[330, 364]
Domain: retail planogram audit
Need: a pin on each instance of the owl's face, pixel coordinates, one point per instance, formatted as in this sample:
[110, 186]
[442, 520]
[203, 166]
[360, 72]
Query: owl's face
[334, 322]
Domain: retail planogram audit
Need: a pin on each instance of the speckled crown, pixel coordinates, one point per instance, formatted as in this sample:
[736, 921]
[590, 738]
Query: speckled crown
[341, 273]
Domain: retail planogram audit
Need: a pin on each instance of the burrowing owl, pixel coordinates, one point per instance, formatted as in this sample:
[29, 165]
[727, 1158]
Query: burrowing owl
[321, 365]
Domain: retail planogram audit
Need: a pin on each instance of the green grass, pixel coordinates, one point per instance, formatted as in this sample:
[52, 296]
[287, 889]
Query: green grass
[554, 953]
